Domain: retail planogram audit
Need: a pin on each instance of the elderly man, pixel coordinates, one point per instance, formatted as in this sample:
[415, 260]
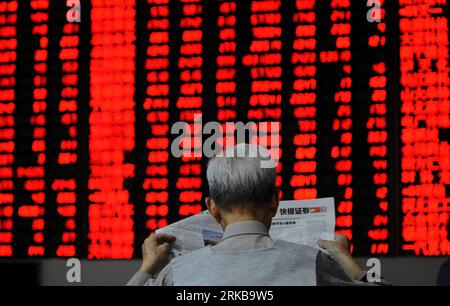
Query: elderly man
[243, 199]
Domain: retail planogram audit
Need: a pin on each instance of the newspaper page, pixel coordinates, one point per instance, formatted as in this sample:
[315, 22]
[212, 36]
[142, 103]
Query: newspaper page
[304, 222]
[193, 233]
[297, 221]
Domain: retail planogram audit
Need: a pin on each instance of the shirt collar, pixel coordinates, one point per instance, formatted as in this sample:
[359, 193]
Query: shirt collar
[245, 228]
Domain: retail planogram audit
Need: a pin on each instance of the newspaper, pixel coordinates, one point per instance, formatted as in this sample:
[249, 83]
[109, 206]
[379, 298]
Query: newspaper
[298, 221]
[304, 222]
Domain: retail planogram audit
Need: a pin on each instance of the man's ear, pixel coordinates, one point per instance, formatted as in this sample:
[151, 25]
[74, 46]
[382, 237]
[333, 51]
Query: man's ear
[275, 203]
[212, 208]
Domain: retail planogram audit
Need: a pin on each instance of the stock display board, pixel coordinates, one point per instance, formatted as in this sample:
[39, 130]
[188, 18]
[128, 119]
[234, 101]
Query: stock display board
[360, 90]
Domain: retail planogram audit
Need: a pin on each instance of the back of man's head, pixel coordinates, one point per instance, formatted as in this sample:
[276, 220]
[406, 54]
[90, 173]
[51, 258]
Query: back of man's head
[238, 179]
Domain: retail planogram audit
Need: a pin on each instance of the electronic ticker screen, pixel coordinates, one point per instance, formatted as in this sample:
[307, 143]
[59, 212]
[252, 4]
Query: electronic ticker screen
[90, 91]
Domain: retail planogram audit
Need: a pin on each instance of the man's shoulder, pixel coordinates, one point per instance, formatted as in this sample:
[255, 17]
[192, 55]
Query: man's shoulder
[190, 256]
[297, 250]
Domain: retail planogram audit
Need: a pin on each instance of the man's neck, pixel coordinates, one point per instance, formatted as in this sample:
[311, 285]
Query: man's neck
[234, 218]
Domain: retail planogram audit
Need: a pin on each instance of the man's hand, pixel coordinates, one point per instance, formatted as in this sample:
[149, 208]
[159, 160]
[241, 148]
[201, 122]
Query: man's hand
[154, 252]
[339, 250]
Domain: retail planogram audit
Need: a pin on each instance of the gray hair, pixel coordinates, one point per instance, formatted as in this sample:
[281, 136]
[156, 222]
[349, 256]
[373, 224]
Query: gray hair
[237, 178]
